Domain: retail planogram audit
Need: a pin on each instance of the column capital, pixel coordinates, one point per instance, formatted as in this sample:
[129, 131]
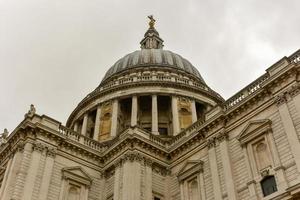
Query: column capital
[211, 142]
[222, 136]
[280, 99]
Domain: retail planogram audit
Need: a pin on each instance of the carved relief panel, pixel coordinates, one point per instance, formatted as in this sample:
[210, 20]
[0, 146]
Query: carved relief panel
[105, 121]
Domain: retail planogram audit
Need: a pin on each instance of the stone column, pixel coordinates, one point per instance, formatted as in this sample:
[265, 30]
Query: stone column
[76, 126]
[175, 116]
[47, 174]
[97, 123]
[84, 124]
[227, 168]
[33, 171]
[214, 169]
[114, 118]
[289, 128]
[154, 115]
[194, 111]
[134, 110]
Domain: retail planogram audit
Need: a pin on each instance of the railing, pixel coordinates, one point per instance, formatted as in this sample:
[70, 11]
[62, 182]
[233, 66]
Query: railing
[156, 77]
[295, 57]
[74, 136]
[244, 93]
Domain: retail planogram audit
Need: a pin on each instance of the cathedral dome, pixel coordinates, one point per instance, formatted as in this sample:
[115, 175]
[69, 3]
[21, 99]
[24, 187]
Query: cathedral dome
[152, 88]
[152, 58]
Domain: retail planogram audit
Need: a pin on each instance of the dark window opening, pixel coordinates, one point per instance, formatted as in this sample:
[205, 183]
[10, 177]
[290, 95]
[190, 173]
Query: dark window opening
[268, 185]
[163, 131]
[156, 198]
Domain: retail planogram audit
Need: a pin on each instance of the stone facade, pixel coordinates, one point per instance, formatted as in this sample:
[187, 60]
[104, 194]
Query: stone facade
[153, 129]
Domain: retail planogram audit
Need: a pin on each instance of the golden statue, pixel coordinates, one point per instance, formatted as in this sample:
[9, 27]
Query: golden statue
[152, 21]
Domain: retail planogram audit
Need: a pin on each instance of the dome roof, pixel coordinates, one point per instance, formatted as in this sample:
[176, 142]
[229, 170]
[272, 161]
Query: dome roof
[152, 57]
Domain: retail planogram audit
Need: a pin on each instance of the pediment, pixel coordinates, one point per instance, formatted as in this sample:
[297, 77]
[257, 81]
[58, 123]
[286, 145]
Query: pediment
[254, 129]
[190, 168]
[77, 174]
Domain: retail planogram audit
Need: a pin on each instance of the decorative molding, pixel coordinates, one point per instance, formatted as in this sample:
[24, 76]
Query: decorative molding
[38, 147]
[77, 174]
[294, 90]
[190, 168]
[211, 142]
[254, 129]
[222, 136]
[51, 152]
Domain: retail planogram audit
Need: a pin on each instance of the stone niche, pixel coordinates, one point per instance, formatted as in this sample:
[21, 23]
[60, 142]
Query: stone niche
[105, 121]
[185, 113]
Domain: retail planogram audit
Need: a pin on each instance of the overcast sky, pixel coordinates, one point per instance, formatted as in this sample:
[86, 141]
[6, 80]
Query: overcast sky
[54, 52]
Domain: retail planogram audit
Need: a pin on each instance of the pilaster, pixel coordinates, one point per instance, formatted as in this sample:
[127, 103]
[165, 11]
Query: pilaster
[289, 129]
[148, 179]
[47, 174]
[22, 172]
[131, 178]
[226, 163]
[38, 149]
[214, 169]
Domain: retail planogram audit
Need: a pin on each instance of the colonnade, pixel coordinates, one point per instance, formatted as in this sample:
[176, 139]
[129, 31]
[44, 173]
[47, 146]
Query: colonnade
[134, 116]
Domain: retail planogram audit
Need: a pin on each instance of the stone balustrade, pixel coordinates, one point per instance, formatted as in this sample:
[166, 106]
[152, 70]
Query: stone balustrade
[153, 77]
[252, 88]
[72, 135]
[295, 57]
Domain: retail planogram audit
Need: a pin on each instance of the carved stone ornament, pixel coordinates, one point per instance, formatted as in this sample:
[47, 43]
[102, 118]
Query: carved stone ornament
[265, 173]
[211, 142]
[39, 147]
[3, 137]
[254, 129]
[77, 174]
[190, 168]
[294, 90]
[280, 99]
[148, 162]
[20, 147]
[223, 135]
[51, 152]
[31, 112]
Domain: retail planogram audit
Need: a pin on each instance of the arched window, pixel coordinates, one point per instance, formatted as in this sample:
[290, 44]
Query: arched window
[268, 185]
